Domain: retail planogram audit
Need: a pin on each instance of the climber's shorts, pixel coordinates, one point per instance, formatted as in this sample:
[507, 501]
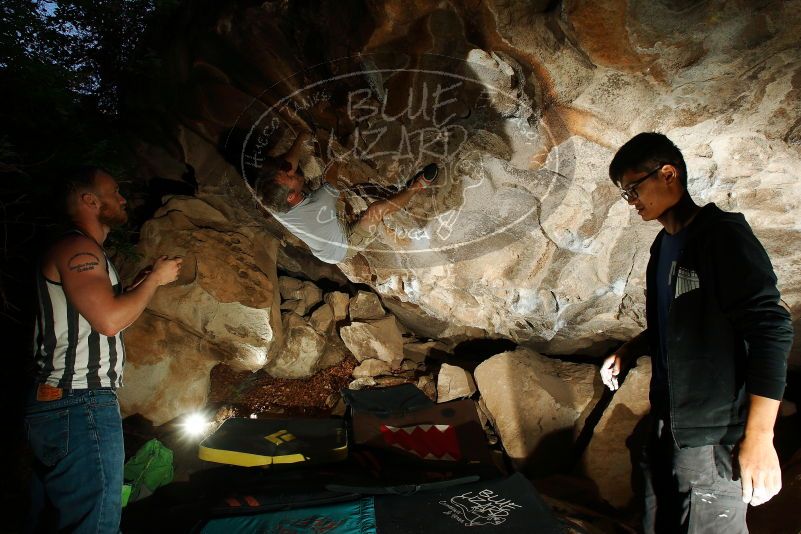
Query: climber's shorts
[358, 237]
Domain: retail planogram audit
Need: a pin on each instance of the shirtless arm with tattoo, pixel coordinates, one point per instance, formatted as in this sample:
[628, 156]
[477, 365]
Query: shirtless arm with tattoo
[78, 263]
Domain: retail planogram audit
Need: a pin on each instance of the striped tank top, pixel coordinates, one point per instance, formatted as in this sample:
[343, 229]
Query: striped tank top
[68, 352]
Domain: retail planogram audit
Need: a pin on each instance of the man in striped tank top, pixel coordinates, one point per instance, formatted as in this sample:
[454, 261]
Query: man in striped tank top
[72, 416]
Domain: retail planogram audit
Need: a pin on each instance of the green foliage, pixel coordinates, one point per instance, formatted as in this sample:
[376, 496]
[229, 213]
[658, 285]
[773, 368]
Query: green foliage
[63, 67]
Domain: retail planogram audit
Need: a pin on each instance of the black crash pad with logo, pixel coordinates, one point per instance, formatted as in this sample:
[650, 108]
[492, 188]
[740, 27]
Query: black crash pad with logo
[501, 505]
[381, 471]
[393, 400]
[263, 442]
[365, 472]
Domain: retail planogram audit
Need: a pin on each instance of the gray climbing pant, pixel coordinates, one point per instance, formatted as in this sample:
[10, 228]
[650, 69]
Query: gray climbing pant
[691, 490]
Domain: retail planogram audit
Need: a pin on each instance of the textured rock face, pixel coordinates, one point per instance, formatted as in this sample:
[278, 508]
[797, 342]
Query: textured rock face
[427, 385]
[365, 305]
[166, 370]
[523, 105]
[322, 319]
[538, 405]
[379, 338]
[371, 367]
[301, 352]
[339, 302]
[222, 308]
[335, 352]
[609, 458]
[226, 291]
[454, 383]
[419, 351]
[299, 296]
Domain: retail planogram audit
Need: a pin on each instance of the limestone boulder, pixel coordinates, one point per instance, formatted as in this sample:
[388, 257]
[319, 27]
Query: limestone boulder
[502, 77]
[335, 351]
[486, 421]
[614, 448]
[418, 351]
[294, 306]
[322, 319]
[410, 365]
[379, 338]
[428, 385]
[538, 405]
[303, 348]
[365, 305]
[557, 231]
[371, 367]
[562, 271]
[311, 295]
[339, 303]
[388, 381]
[424, 324]
[299, 296]
[227, 290]
[167, 369]
[298, 263]
[454, 383]
[362, 383]
[289, 287]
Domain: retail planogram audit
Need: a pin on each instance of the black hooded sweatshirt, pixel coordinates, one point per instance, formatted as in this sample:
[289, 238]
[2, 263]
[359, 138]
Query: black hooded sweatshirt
[727, 334]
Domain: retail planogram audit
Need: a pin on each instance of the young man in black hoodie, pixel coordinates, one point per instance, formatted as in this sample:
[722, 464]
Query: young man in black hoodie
[719, 341]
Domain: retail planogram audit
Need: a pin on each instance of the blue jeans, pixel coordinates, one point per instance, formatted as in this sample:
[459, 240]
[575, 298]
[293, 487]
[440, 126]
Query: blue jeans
[78, 454]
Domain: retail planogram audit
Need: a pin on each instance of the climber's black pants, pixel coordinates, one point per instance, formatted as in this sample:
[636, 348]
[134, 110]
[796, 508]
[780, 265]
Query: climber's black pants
[690, 490]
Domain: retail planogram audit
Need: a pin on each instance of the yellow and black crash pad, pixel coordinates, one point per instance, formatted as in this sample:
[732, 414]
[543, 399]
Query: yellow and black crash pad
[263, 442]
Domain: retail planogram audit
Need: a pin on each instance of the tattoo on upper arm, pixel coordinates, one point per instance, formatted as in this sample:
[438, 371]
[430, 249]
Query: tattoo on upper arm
[83, 261]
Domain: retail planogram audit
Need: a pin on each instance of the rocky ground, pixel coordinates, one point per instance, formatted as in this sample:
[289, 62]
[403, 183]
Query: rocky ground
[246, 393]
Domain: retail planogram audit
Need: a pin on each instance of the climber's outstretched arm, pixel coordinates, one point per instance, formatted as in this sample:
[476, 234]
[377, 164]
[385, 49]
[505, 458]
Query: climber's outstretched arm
[296, 150]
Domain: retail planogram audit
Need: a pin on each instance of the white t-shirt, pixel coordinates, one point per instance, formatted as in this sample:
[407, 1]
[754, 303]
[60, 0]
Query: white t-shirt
[315, 222]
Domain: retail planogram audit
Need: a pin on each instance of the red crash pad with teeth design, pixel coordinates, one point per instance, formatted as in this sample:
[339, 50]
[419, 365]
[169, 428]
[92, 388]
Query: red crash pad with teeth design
[430, 442]
[450, 431]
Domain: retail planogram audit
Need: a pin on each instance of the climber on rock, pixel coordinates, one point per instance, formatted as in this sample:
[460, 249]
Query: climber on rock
[719, 341]
[313, 217]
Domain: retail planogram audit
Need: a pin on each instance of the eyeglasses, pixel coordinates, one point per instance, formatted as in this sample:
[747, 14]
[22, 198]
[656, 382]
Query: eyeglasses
[630, 192]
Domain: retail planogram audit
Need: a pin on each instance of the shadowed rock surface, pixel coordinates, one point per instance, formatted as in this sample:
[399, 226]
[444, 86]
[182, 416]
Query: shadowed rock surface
[523, 235]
